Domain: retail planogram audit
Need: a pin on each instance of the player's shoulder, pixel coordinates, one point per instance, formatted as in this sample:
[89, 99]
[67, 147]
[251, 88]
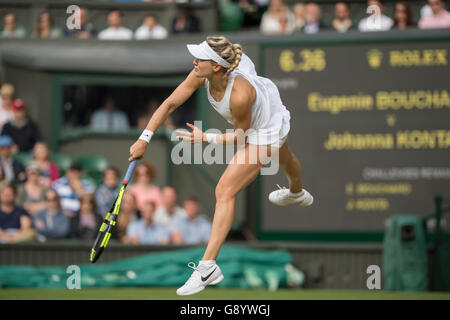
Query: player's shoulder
[243, 92]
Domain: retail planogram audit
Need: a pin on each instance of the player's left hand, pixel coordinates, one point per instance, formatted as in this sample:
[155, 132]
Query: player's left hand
[195, 136]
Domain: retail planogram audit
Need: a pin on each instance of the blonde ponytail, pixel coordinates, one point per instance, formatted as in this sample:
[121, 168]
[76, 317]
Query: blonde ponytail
[232, 53]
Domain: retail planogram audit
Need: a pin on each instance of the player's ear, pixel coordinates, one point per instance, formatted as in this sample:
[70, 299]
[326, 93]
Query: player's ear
[216, 67]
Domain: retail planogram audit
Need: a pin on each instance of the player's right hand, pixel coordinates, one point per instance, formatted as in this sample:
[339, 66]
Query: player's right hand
[137, 150]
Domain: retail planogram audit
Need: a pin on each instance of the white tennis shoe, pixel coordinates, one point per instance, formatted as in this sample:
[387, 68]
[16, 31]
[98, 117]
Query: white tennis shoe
[284, 197]
[200, 278]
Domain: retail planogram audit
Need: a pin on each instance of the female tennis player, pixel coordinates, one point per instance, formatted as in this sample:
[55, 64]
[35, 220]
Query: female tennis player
[248, 102]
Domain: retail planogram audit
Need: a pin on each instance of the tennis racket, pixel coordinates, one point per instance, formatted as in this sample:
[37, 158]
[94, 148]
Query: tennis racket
[110, 220]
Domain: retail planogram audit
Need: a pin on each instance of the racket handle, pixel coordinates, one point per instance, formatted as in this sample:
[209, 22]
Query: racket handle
[129, 171]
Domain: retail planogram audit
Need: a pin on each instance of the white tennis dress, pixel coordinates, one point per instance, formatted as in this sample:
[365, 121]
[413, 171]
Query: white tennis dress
[270, 118]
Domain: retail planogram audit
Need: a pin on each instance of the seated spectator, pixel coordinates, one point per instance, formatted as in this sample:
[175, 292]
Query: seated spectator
[115, 31]
[51, 222]
[342, 21]
[109, 118]
[6, 113]
[107, 192]
[276, 13]
[144, 118]
[24, 132]
[86, 30]
[185, 22]
[439, 19]
[128, 213]
[14, 170]
[426, 11]
[33, 190]
[71, 188]
[49, 169]
[11, 29]
[85, 224]
[45, 28]
[142, 189]
[169, 209]
[403, 16]
[146, 230]
[15, 222]
[313, 19]
[375, 22]
[150, 29]
[192, 229]
[299, 16]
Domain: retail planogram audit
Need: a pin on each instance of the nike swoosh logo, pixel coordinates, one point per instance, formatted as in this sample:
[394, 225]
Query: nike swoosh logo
[209, 275]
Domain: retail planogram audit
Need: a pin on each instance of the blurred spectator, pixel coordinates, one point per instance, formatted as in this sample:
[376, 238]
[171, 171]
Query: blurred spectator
[71, 188]
[276, 13]
[115, 31]
[3, 181]
[375, 22]
[426, 11]
[169, 209]
[49, 169]
[11, 29]
[109, 118]
[45, 28]
[86, 30]
[252, 11]
[33, 190]
[299, 16]
[150, 29]
[192, 229]
[185, 22]
[128, 213]
[85, 224]
[144, 118]
[439, 19]
[13, 170]
[24, 132]
[142, 189]
[7, 94]
[146, 230]
[15, 222]
[51, 222]
[342, 21]
[107, 192]
[403, 16]
[313, 19]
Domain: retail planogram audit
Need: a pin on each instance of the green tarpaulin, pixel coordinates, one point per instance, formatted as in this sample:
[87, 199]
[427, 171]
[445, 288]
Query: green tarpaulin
[242, 268]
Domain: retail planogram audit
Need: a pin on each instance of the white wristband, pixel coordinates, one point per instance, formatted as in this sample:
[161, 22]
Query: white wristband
[146, 135]
[211, 138]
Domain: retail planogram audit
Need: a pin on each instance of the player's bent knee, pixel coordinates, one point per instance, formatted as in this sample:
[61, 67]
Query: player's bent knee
[224, 192]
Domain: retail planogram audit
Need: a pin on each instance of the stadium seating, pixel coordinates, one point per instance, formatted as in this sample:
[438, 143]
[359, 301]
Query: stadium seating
[23, 157]
[63, 161]
[94, 166]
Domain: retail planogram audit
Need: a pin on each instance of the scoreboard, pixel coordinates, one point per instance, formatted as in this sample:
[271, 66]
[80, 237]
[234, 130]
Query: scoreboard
[370, 123]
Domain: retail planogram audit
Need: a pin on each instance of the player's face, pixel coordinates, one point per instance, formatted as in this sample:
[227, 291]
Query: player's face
[203, 68]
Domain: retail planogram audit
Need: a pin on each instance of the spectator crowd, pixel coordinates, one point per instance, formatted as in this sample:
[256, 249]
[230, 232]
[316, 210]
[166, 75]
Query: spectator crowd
[307, 17]
[277, 17]
[184, 22]
[38, 201]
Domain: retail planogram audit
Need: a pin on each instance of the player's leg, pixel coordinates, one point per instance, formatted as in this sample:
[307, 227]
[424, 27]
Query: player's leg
[235, 178]
[291, 167]
[296, 194]
[238, 174]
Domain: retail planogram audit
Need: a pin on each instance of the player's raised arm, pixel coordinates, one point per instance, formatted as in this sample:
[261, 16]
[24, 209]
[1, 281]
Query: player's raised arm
[176, 99]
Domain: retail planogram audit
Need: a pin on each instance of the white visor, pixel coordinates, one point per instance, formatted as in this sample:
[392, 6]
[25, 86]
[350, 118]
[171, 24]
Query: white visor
[204, 52]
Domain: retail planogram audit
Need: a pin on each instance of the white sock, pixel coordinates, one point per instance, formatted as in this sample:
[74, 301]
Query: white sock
[207, 263]
[298, 194]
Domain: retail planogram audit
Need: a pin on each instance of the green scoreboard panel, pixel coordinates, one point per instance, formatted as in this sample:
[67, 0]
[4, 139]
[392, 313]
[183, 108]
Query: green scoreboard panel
[370, 123]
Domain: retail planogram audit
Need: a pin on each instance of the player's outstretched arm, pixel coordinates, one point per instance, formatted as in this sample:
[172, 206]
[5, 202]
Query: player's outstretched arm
[176, 99]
